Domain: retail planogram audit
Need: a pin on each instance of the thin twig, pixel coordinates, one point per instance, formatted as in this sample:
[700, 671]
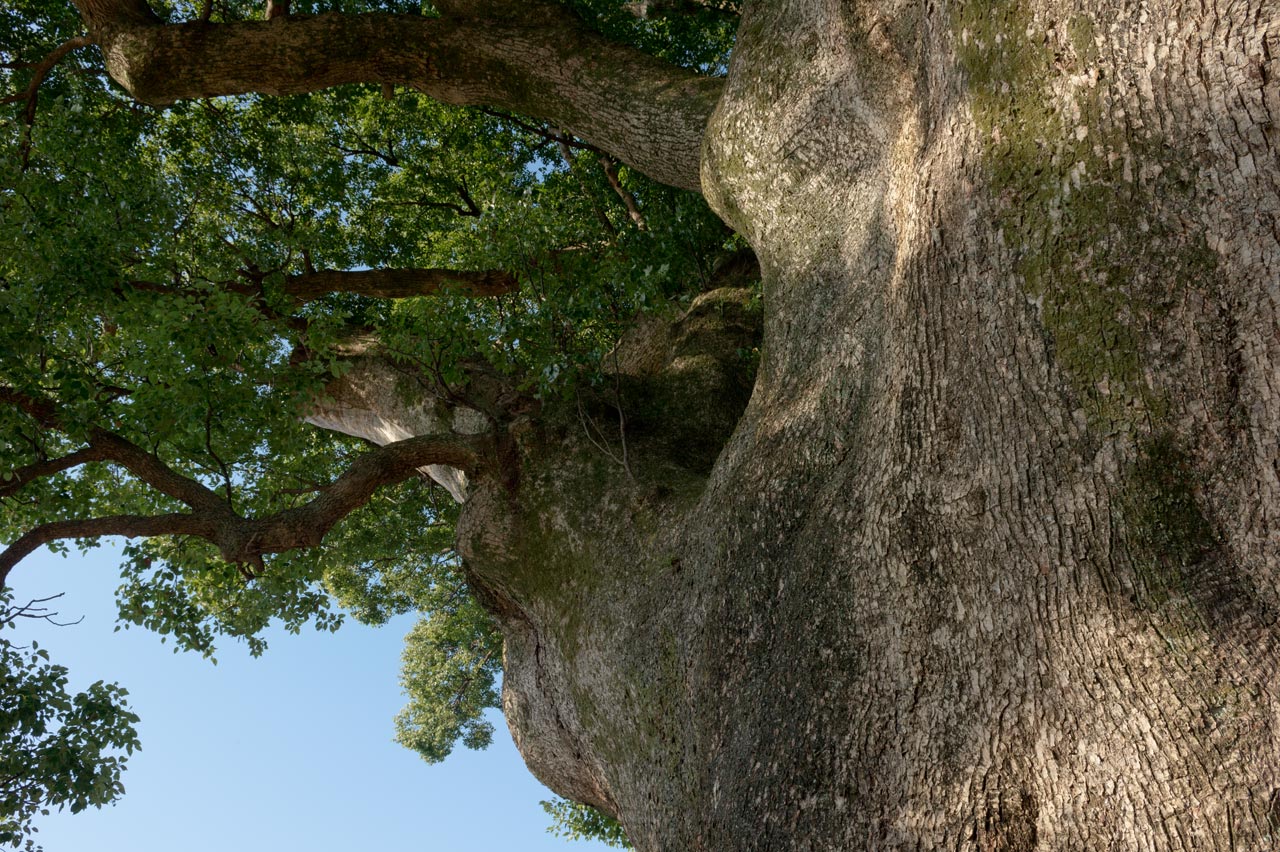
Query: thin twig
[587, 424]
[43, 613]
[622, 417]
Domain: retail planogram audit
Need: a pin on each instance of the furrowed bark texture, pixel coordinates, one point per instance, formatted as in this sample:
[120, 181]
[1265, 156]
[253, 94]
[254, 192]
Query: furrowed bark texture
[989, 560]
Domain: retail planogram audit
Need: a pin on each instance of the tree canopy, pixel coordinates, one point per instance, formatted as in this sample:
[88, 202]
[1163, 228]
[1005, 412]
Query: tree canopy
[182, 284]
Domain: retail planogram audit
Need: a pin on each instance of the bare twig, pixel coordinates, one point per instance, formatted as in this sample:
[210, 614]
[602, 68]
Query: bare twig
[601, 443]
[622, 417]
[31, 610]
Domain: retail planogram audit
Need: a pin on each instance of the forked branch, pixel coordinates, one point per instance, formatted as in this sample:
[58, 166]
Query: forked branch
[240, 540]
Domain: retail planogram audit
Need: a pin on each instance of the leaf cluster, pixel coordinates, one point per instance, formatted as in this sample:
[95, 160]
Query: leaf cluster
[57, 749]
[576, 821]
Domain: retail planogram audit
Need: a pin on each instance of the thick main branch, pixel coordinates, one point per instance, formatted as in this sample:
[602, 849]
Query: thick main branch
[543, 62]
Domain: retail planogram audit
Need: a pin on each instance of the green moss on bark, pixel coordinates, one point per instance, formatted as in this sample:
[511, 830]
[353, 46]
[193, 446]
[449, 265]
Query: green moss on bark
[1086, 205]
[1167, 532]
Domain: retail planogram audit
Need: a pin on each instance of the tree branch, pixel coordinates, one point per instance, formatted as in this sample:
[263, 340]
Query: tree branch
[150, 469]
[40, 70]
[372, 470]
[566, 154]
[400, 283]
[240, 540]
[542, 132]
[22, 476]
[610, 167]
[389, 159]
[39, 410]
[112, 447]
[472, 210]
[543, 62]
[252, 291]
[246, 540]
[126, 525]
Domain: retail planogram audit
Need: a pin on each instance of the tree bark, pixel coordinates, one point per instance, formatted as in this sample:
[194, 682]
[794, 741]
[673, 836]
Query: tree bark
[990, 560]
[541, 62]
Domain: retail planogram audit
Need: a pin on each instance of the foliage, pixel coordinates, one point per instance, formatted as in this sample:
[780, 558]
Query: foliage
[56, 749]
[452, 657]
[582, 822]
[150, 250]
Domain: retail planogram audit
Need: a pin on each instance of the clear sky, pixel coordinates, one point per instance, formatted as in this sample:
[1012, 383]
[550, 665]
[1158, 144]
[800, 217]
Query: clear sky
[292, 751]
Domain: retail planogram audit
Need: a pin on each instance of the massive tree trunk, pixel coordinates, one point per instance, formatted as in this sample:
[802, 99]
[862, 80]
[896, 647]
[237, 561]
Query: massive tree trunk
[988, 561]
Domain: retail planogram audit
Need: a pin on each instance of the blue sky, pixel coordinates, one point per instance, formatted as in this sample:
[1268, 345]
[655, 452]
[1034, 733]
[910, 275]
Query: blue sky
[291, 751]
